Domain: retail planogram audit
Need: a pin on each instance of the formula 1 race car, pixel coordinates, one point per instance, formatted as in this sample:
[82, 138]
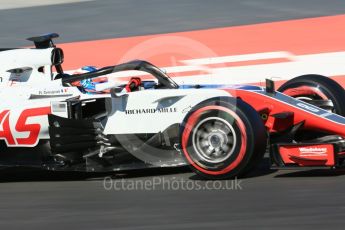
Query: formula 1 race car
[220, 131]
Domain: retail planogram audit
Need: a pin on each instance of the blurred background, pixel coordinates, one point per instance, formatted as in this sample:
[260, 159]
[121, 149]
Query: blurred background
[79, 20]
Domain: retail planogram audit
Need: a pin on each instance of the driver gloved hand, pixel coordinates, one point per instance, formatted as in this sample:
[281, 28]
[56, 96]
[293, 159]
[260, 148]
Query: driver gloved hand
[133, 84]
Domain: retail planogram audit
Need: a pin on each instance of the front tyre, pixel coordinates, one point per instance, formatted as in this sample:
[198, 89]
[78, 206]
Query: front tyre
[318, 90]
[223, 138]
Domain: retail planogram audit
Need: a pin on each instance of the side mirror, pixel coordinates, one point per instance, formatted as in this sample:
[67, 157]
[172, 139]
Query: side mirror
[57, 59]
[270, 87]
[57, 56]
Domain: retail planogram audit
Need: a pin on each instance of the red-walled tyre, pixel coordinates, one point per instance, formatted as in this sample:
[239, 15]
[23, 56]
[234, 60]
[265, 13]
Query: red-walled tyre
[318, 90]
[223, 138]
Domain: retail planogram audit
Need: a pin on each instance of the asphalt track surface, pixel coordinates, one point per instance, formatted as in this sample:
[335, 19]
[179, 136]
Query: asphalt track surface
[267, 199]
[90, 20]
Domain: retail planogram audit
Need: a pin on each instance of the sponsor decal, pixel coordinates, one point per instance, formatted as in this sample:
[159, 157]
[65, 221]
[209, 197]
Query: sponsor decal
[313, 151]
[186, 110]
[151, 110]
[308, 107]
[308, 155]
[23, 125]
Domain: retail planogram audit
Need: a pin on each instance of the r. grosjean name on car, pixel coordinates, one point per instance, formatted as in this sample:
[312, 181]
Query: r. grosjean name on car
[151, 110]
[52, 92]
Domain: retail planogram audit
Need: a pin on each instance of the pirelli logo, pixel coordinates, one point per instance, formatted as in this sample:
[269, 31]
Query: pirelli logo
[151, 111]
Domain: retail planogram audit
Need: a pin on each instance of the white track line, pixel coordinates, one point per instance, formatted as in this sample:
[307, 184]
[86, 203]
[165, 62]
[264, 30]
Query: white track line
[328, 64]
[239, 58]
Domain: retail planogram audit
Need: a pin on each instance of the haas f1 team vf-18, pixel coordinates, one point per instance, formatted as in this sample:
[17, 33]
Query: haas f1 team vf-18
[82, 122]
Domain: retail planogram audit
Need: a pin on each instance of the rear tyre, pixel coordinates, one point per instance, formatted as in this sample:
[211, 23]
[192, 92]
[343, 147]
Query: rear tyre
[318, 90]
[223, 138]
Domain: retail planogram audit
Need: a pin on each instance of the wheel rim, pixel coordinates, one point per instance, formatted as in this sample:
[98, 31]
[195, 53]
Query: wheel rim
[214, 139]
